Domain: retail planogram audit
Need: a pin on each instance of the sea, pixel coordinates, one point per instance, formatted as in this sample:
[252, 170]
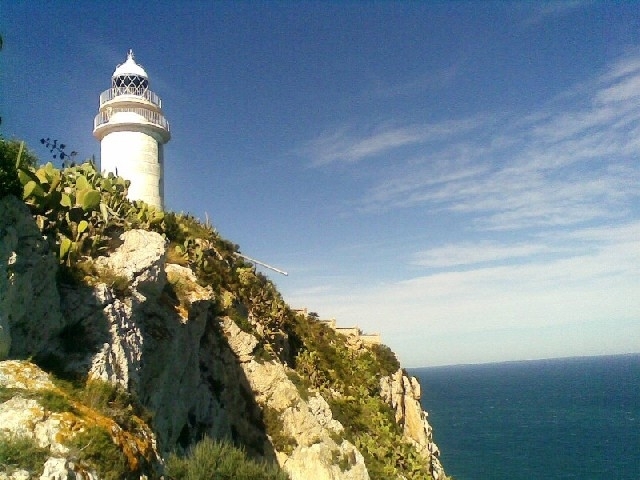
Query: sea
[558, 419]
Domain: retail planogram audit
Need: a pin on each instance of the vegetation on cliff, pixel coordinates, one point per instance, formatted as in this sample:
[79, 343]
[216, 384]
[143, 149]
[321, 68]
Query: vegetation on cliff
[96, 424]
[82, 213]
[228, 463]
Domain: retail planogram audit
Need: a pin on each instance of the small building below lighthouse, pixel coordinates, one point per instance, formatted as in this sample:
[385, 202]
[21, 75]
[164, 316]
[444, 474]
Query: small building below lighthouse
[132, 132]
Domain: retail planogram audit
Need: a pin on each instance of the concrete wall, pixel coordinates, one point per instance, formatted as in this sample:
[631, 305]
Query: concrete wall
[330, 323]
[371, 338]
[347, 331]
[366, 338]
[138, 157]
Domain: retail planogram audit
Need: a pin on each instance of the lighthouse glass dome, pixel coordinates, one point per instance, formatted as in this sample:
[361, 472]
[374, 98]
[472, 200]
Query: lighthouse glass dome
[132, 131]
[130, 78]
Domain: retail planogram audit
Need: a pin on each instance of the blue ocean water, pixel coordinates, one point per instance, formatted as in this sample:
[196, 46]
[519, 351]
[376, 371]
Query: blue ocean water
[573, 418]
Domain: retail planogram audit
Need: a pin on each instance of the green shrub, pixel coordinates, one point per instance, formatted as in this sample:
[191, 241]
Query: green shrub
[110, 400]
[344, 460]
[9, 181]
[114, 402]
[387, 360]
[18, 153]
[103, 396]
[241, 319]
[350, 381]
[216, 460]
[301, 383]
[6, 394]
[274, 427]
[373, 430]
[18, 452]
[95, 450]
[120, 284]
[50, 400]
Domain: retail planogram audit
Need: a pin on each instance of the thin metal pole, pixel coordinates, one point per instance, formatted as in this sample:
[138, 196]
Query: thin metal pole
[261, 263]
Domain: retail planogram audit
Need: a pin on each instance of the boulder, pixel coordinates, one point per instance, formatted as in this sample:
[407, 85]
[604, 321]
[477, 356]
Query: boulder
[140, 259]
[56, 468]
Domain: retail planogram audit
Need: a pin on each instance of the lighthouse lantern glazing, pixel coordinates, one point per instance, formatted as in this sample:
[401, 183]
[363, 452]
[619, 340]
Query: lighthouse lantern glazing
[132, 132]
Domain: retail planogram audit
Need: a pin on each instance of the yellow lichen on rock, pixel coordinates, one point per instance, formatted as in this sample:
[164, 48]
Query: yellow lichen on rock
[26, 415]
[186, 288]
[25, 375]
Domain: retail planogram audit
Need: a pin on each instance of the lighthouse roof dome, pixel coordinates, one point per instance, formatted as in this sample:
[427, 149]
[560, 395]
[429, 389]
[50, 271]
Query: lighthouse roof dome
[129, 68]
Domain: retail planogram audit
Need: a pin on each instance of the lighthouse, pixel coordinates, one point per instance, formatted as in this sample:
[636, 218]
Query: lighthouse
[132, 132]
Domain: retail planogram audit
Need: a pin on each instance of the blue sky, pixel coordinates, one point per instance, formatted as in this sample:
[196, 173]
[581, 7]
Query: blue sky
[461, 177]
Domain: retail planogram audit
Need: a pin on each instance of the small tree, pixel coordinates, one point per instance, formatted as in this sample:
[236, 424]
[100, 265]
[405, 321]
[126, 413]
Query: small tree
[17, 150]
[13, 154]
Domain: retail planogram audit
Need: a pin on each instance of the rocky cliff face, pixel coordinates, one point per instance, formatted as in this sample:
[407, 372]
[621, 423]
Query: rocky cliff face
[33, 407]
[403, 394]
[27, 275]
[150, 327]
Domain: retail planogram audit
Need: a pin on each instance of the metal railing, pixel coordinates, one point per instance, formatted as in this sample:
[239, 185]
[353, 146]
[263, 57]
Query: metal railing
[143, 92]
[149, 115]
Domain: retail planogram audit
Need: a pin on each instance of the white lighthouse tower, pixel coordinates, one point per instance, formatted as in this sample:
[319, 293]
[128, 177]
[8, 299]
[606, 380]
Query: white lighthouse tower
[132, 132]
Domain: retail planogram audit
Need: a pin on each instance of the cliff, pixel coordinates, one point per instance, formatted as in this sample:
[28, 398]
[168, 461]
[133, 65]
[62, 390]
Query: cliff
[144, 333]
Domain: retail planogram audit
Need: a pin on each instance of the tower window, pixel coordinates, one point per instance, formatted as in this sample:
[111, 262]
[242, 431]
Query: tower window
[130, 84]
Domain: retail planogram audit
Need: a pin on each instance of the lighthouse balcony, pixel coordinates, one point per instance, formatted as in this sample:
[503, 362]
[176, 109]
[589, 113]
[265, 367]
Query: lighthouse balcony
[130, 115]
[130, 90]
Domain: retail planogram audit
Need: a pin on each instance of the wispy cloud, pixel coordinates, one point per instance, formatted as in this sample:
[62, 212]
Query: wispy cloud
[420, 83]
[344, 145]
[465, 254]
[549, 204]
[543, 247]
[552, 9]
[567, 163]
[592, 274]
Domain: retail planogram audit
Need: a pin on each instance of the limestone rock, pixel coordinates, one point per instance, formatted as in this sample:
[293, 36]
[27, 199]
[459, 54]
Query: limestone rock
[56, 468]
[165, 346]
[23, 375]
[321, 462]
[164, 340]
[140, 259]
[25, 416]
[119, 359]
[16, 475]
[320, 409]
[309, 424]
[243, 344]
[197, 372]
[403, 394]
[29, 302]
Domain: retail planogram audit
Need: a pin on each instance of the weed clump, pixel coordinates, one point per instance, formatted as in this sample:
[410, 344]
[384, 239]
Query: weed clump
[95, 450]
[210, 459]
[20, 452]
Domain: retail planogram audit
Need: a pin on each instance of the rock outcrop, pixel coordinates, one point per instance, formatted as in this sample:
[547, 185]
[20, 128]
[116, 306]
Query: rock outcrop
[30, 413]
[403, 393]
[27, 283]
[154, 330]
[313, 451]
[174, 357]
